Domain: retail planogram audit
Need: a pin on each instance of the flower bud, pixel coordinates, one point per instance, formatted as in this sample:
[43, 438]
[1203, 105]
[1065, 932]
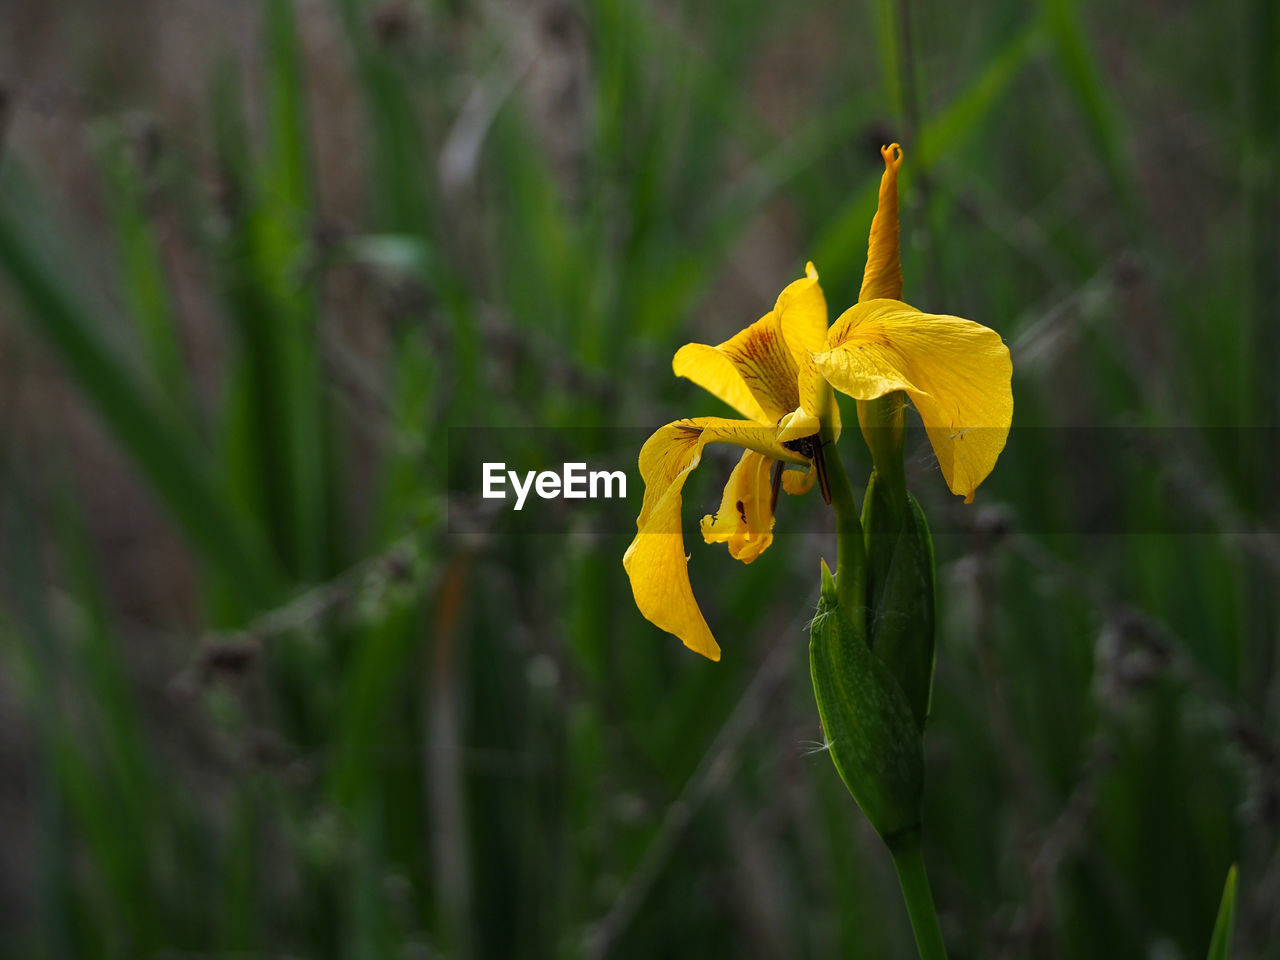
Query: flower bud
[900, 589]
[872, 734]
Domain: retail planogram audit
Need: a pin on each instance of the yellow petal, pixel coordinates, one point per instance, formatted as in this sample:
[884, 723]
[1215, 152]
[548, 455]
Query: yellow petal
[745, 518]
[655, 561]
[714, 372]
[956, 372]
[882, 277]
[756, 371]
[659, 572]
[815, 394]
[797, 482]
[762, 358]
[797, 425]
[802, 314]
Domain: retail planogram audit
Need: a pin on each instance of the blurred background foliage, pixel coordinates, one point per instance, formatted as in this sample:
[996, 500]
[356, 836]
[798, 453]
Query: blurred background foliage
[260, 697]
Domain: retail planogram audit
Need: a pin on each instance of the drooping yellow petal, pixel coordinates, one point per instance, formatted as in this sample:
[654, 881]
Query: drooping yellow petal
[882, 277]
[655, 561]
[745, 518]
[802, 314]
[956, 372]
[659, 573]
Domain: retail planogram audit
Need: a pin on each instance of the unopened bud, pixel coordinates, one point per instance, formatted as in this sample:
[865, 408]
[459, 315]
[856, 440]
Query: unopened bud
[873, 736]
[900, 590]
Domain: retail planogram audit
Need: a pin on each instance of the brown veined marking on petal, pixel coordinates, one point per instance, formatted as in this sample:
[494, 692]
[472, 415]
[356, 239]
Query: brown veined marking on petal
[851, 326]
[711, 369]
[756, 436]
[764, 360]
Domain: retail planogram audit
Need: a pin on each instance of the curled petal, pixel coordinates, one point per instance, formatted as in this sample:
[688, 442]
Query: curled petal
[956, 372]
[799, 482]
[655, 561]
[882, 277]
[745, 518]
[802, 314]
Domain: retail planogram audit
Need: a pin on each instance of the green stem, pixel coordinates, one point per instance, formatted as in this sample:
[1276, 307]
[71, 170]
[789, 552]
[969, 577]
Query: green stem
[851, 565]
[883, 422]
[909, 862]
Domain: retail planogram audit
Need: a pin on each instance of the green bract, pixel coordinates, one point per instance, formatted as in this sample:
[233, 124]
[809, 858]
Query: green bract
[870, 729]
[900, 589]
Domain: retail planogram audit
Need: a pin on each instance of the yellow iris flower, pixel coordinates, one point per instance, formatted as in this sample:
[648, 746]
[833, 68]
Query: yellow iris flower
[778, 373]
[766, 373]
[956, 372]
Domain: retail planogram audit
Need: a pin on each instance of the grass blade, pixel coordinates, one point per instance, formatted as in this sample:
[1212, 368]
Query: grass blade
[843, 243]
[159, 445]
[1220, 946]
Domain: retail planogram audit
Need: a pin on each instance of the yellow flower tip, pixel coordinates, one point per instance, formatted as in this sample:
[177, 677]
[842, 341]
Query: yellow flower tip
[969, 497]
[810, 270]
[882, 278]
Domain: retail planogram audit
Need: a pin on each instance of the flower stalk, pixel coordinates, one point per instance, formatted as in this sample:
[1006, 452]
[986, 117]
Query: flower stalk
[883, 423]
[908, 861]
[851, 566]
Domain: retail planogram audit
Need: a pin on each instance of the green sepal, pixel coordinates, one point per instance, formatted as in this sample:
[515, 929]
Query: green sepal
[872, 735]
[900, 590]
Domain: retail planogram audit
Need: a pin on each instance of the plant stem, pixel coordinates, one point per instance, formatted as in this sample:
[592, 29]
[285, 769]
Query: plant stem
[883, 421]
[851, 565]
[909, 862]
[851, 574]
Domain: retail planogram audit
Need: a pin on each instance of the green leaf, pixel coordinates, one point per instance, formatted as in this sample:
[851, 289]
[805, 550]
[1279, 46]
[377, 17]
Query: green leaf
[160, 445]
[1220, 946]
[1084, 81]
[842, 244]
[142, 268]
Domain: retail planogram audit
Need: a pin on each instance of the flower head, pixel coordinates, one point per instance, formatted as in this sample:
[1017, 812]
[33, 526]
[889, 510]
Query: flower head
[766, 373]
[778, 374]
[956, 372]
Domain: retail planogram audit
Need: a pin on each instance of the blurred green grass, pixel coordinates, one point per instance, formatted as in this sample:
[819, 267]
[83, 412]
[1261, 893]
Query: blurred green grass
[261, 702]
